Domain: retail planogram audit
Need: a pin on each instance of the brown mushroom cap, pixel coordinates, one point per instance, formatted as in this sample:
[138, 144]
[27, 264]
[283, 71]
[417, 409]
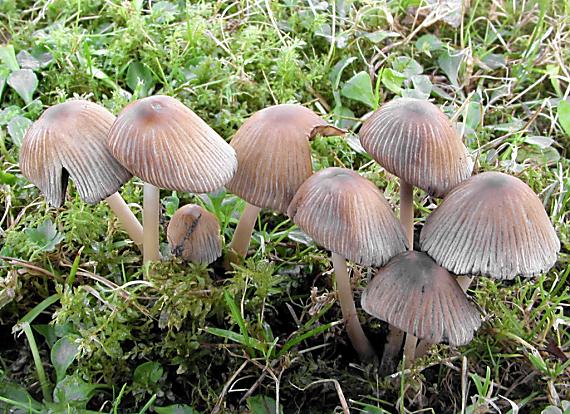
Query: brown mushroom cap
[416, 295]
[346, 214]
[414, 140]
[492, 224]
[194, 235]
[274, 155]
[70, 140]
[166, 144]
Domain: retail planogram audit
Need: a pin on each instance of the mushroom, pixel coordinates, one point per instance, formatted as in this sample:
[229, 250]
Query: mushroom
[414, 140]
[493, 225]
[194, 235]
[416, 295]
[164, 143]
[274, 159]
[348, 215]
[70, 140]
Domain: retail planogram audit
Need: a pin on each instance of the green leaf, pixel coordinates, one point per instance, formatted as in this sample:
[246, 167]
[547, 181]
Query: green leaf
[428, 43]
[139, 78]
[338, 68]
[8, 113]
[393, 80]
[17, 128]
[407, 67]
[8, 57]
[73, 388]
[25, 83]
[176, 409]
[564, 116]
[46, 237]
[18, 394]
[171, 204]
[260, 404]
[359, 88]
[148, 373]
[377, 37]
[7, 178]
[4, 74]
[449, 63]
[63, 354]
[39, 308]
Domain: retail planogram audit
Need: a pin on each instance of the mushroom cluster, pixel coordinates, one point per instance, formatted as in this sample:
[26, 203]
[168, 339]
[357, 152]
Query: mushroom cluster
[268, 164]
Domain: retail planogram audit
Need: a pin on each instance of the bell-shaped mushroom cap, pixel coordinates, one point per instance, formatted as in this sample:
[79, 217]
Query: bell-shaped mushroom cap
[166, 144]
[348, 215]
[417, 296]
[414, 140]
[70, 140]
[274, 155]
[492, 224]
[194, 235]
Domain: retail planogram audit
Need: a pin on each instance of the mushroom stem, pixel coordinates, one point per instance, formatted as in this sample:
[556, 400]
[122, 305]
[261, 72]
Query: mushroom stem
[130, 223]
[353, 328]
[244, 229]
[410, 349]
[391, 350]
[151, 223]
[423, 347]
[407, 211]
[395, 336]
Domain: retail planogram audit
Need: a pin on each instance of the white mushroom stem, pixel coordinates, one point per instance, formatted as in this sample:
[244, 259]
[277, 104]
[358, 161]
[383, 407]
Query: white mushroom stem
[395, 335]
[423, 347]
[130, 223]
[151, 206]
[244, 229]
[353, 328]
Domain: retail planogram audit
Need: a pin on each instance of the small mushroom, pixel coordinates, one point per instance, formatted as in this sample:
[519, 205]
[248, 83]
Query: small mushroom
[348, 215]
[494, 225]
[416, 295]
[70, 140]
[164, 143]
[274, 159]
[194, 235]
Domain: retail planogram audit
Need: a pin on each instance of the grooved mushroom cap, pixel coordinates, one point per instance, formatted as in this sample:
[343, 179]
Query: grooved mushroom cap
[414, 140]
[346, 214]
[166, 144]
[492, 224]
[70, 140]
[274, 155]
[416, 295]
[194, 235]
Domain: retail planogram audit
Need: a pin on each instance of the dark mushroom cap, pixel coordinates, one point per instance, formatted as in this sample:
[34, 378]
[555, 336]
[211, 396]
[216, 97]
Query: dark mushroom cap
[346, 214]
[492, 224]
[70, 140]
[194, 235]
[166, 144]
[414, 140]
[274, 155]
[419, 297]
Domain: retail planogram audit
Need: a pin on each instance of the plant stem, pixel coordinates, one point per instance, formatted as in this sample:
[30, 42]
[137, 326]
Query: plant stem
[151, 251]
[126, 217]
[244, 229]
[395, 336]
[37, 362]
[353, 328]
